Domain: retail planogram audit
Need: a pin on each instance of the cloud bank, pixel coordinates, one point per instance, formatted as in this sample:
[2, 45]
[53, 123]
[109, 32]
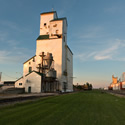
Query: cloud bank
[113, 51]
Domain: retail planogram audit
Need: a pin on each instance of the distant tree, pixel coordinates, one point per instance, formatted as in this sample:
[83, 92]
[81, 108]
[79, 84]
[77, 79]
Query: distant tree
[79, 87]
[90, 86]
[87, 86]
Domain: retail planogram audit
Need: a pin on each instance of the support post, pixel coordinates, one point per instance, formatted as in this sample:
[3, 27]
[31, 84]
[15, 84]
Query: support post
[42, 77]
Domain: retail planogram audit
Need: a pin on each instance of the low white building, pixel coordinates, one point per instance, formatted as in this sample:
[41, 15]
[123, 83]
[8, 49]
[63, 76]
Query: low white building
[52, 40]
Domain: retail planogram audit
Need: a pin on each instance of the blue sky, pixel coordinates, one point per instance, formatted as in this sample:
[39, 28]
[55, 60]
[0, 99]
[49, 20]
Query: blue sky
[95, 35]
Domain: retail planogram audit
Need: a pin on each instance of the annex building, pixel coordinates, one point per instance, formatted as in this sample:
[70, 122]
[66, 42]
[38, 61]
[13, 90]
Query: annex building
[117, 84]
[51, 68]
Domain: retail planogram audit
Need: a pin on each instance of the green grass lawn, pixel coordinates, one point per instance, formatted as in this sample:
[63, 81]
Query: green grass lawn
[83, 108]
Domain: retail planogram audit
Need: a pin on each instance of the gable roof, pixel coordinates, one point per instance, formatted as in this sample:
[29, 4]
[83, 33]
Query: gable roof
[29, 59]
[35, 72]
[19, 79]
[69, 49]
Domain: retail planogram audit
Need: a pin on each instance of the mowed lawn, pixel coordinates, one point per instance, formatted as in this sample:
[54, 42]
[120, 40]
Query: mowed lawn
[83, 108]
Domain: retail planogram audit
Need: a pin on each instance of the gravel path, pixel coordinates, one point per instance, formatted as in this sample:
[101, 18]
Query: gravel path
[119, 93]
[12, 99]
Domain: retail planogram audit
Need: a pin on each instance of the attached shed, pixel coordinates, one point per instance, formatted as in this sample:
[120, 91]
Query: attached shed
[33, 82]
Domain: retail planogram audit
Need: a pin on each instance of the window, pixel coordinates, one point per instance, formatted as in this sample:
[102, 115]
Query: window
[33, 59]
[30, 69]
[57, 31]
[44, 24]
[64, 86]
[64, 38]
[20, 84]
[54, 25]
[29, 63]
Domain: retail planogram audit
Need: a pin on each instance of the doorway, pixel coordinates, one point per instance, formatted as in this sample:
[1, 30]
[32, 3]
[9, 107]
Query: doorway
[29, 89]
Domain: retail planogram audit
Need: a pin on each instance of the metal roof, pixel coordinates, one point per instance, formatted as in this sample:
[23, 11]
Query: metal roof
[48, 12]
[58, 19]
[19, 79]
[35, 72]
[43, 37]
[29, 59]
[69, 49]
[64, 18]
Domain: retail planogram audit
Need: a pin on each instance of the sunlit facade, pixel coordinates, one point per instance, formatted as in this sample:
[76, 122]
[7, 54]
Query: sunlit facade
[117, 84]
[52, 39]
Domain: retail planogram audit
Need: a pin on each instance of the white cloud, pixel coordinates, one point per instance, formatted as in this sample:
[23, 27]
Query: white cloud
[3, 55]
[11, 51]
[101, 57]
[12, 57]
[12, 43]
[3, 35]
[14, 53]
[92, 32]
[113, 51]
[85, 56]
[109, 52]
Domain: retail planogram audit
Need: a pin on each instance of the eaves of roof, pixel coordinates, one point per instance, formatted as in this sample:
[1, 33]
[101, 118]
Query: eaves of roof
[29, 59]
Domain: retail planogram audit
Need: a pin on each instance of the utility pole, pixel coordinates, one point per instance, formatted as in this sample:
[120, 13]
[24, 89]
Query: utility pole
[0, 76]
[42, 77]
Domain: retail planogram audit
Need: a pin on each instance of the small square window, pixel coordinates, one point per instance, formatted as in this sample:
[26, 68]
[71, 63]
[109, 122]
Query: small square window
[33, 59]
[20, 84]
[30, 69]
[64, 38]
[57, 31]
[54, 25]
[44, 24]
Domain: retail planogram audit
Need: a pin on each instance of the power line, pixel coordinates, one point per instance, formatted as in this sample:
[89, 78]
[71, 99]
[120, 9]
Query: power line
[9, 76]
